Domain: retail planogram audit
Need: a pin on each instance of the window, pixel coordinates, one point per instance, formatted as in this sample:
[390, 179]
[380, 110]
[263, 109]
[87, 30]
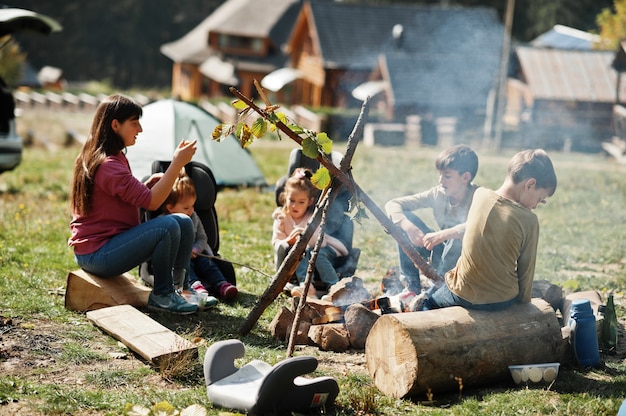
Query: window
[240, 43]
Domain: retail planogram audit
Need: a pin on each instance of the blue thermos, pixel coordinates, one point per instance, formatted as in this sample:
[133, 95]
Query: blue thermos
[583, 335]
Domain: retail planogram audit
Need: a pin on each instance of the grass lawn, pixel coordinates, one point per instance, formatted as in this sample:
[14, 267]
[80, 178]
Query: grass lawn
[54, 361]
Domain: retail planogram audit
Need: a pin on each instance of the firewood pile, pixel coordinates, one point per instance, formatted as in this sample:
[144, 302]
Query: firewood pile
[339, 321]
[343, 318]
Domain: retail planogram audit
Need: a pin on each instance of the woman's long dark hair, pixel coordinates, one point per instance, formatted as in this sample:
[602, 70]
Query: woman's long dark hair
[102, 142]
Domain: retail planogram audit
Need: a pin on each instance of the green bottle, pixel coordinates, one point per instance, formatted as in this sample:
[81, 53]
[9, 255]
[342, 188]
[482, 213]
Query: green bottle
[609, 327]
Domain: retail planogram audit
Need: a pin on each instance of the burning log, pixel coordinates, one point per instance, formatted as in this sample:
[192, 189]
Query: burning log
[347, 291]
[412, 353]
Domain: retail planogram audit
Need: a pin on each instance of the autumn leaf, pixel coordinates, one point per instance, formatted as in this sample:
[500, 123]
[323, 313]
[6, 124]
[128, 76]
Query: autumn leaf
[259, 127]
[164, 409]
[222, 131]
[194, 410]
[136, 410]
[321, 178]
[244, 134]
[239, 105]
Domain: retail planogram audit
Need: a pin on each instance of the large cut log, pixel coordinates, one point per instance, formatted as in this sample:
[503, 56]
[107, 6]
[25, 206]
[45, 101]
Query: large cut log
[412, 353]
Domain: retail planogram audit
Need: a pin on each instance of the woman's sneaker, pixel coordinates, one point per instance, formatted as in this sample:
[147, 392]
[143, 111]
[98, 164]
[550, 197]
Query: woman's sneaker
[228, 291]
[199, 287]
[172, 302]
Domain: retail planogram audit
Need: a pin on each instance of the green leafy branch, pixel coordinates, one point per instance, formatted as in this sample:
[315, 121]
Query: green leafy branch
[343, 174]
[314, 145]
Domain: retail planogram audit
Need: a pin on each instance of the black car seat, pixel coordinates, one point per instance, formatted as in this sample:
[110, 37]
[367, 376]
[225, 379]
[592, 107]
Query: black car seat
[338, 223]
[206, 192]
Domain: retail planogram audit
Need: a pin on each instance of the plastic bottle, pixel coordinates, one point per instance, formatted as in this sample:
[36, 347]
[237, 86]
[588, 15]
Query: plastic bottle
[583, 335]
[608, 338]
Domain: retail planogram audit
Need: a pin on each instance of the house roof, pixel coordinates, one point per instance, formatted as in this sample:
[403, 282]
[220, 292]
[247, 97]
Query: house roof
[569, 75]
[427, 84]
[565, 37]
[352, 36]
[252, 18]
[456, 66]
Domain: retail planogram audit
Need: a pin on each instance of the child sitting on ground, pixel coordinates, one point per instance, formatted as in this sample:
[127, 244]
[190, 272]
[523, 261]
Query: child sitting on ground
[497, 263]
[290, 221]
[450, 202]
[203, 271]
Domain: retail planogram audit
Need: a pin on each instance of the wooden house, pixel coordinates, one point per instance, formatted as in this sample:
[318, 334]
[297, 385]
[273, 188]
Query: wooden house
[239, 42]
[567, 97]
[431, 61]
[445, 66]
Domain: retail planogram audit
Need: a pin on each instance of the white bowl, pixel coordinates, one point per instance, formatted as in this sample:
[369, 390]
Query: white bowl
[534, 373]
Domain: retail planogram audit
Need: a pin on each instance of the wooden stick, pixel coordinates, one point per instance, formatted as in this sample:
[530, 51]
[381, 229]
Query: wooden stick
[310, 273]
[346, 179]
[235, 263]
[284, 272]
[342, 175]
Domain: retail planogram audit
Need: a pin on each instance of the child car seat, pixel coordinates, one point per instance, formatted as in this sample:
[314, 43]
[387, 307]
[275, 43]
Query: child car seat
[206, 192]
[259, 388]
[338, 223]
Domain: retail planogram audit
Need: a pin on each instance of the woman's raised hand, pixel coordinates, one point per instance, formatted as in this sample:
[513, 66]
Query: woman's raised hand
[184, 152]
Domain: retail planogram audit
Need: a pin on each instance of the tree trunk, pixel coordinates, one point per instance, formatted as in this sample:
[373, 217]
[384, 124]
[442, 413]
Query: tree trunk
[435, 351]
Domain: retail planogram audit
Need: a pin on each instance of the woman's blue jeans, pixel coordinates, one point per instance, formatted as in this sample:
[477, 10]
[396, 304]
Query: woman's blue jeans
[166, 239]
[443, 298]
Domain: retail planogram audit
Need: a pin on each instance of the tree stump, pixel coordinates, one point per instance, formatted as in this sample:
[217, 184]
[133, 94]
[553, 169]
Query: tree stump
[412, 353]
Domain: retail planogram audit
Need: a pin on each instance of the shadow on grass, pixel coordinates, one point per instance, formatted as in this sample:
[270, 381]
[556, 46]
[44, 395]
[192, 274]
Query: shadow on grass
[601, 382]
[607, 382]
[221, 322]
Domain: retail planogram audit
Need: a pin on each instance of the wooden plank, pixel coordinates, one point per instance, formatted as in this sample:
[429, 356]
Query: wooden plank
[140, 333]
[86, 291]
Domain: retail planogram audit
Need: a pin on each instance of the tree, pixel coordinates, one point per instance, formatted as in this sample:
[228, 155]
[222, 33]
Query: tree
[116, 40]
[612, 25]
[120, 40]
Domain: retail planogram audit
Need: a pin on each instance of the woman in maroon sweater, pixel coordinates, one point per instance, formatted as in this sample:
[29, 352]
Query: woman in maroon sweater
[107, 235]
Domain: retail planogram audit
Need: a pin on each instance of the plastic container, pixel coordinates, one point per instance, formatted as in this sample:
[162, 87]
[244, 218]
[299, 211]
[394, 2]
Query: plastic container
[583, 335]
[202, 298]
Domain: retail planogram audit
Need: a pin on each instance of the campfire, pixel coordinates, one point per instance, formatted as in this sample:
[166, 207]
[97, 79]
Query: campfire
[343, 318]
